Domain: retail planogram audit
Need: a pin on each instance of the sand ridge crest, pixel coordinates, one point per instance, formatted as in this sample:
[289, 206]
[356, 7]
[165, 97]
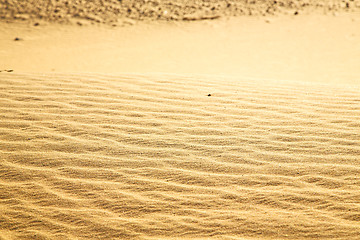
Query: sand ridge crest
[152, 156]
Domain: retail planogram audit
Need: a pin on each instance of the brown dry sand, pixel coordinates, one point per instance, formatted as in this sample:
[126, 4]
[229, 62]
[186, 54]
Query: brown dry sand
[115, 11]
[230, 128]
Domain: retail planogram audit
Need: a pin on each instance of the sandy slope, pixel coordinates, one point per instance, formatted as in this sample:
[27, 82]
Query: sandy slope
[154, 157]
[303, 48]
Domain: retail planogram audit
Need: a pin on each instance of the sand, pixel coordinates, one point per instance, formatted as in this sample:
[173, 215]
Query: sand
[312, 47]
[115, 12]
[153, 156]
[237, 127]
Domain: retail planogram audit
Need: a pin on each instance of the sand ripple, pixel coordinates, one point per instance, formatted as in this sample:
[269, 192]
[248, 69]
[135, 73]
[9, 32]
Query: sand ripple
[153, 156]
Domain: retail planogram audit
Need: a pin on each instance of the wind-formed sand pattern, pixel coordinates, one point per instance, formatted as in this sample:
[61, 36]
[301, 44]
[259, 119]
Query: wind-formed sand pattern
[173, 119]
[154, 157]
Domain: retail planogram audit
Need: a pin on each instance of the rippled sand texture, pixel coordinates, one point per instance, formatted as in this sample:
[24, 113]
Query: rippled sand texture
[155, 157]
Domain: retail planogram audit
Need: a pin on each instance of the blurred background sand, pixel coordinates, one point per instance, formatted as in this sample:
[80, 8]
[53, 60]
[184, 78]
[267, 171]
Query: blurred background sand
[114, 11]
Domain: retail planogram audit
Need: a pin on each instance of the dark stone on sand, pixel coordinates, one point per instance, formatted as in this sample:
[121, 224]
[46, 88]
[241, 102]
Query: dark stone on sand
[36, 24]
[9, 70]
[17, 39]
[296, 13]
[209, 95]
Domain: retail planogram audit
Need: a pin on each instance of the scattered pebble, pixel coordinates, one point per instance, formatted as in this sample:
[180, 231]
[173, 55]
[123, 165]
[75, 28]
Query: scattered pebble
[36, 24]
[100, 12]
[209, 95]
[9, 70]
[17, 39]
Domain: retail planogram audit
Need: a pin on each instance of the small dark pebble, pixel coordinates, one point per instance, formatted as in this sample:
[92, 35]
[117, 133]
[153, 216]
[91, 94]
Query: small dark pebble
[36, 24]
[296, 13]
[9, 70]
[209, 95]
[17, 39]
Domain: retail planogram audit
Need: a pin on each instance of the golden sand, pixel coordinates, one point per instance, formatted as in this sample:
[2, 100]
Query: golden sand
[153, 156]
[234, 128]
[310, 48]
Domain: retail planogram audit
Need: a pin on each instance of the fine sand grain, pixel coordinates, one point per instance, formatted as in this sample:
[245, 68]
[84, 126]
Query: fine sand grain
[139, 156]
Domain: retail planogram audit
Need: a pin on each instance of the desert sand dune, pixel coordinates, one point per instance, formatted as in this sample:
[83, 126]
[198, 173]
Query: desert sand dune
[152, 156]
[134, 120]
